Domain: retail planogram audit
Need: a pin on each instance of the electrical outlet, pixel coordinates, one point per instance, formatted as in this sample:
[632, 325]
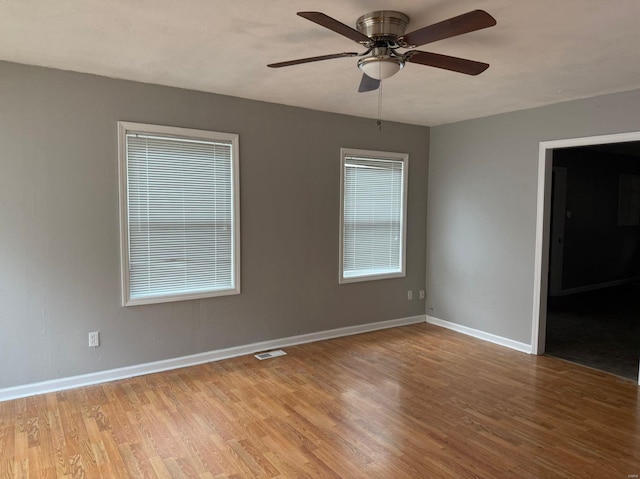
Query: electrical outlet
[94, 339]
[422, 294]
[409, 294]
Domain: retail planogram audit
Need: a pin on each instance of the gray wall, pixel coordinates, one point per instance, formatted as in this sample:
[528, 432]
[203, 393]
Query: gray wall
[482, 208]
[59, 258]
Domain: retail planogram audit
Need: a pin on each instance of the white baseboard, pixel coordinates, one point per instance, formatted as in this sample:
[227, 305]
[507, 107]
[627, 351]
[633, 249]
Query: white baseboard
[53, 385]
[476, 333]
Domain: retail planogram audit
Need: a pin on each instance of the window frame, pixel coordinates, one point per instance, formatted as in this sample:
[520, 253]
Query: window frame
[125, 127]
[374, 155]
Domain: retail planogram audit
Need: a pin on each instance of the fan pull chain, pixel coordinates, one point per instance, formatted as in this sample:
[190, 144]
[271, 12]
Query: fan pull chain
[379, 122]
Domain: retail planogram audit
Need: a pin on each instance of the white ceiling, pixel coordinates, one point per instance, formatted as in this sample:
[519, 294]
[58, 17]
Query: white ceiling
[541, 51]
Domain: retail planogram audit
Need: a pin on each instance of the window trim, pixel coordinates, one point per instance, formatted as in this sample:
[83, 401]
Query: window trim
[125, 127]
[383, 155]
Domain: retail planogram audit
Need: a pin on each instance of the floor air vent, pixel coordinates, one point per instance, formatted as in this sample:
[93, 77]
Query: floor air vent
[270, 354]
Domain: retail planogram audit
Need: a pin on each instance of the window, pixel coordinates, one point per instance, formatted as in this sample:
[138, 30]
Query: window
[179, 213]
[373, 205]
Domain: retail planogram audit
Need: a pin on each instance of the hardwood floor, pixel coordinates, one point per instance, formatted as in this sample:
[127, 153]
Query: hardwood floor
[411, 402]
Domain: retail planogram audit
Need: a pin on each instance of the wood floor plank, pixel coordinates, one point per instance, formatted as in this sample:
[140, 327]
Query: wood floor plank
[416, 401]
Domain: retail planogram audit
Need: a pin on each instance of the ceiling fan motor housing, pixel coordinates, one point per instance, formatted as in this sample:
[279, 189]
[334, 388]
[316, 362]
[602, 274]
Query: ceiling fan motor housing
[383, 25]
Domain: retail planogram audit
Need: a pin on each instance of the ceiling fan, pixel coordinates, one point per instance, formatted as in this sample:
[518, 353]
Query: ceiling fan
[382, 33]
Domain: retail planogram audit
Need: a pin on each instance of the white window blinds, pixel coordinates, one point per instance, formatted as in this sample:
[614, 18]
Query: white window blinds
[373, 215]
[181, 208]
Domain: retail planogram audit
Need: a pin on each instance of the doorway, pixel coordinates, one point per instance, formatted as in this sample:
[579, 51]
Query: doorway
[593, 303]
[565, 285]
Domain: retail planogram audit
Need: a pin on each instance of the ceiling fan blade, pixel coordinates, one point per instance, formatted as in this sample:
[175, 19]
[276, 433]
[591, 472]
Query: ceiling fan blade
[368, 84]
[446, 62]
[336, 26]
[465, 23]
[312, 59]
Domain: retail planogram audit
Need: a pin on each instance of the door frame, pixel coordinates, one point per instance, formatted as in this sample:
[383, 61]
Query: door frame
[543, 216]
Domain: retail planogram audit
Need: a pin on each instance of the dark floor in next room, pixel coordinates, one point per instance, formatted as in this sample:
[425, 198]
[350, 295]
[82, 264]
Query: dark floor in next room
[599, 329]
